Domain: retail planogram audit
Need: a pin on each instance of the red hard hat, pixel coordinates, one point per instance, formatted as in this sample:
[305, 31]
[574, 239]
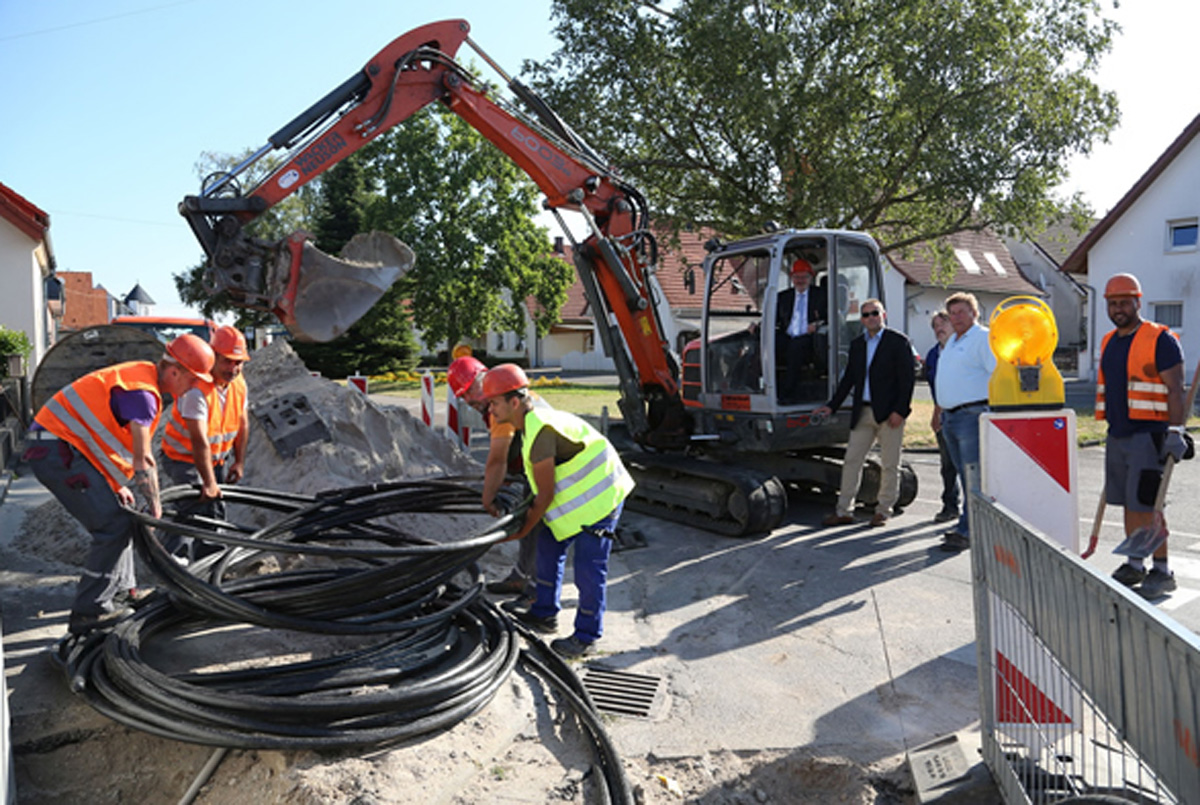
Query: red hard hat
[502, 379]
[1122, 285]
[802, 266]
[192, 353]
[462, 373]
[230, 342]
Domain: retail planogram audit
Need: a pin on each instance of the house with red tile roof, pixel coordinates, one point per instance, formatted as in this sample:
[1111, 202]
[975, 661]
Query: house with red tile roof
[32, 298]
[1152, 233]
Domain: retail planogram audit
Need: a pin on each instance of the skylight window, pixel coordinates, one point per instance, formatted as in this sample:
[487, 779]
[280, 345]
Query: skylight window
[967, 261]
[994, 262]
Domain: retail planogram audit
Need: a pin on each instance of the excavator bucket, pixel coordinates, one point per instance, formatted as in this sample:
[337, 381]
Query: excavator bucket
[322, 296]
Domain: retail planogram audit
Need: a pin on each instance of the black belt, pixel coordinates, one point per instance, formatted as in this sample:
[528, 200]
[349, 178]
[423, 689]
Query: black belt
[971, 404]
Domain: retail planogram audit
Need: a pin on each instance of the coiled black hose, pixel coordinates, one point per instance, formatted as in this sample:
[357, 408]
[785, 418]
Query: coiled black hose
[404, 643]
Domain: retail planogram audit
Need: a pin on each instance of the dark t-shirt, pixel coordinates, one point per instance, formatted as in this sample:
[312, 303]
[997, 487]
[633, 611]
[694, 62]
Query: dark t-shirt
[550, 442]
[1114, 363]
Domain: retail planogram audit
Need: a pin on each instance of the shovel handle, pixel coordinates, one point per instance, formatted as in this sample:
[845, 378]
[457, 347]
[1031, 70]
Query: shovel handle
[1095, 537]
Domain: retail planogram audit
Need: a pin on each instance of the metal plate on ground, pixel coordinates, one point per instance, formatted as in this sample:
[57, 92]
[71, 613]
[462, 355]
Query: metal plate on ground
[937, 764]
[623, 693]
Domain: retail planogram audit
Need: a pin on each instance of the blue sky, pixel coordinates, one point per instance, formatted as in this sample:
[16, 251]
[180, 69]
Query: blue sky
[109, 105]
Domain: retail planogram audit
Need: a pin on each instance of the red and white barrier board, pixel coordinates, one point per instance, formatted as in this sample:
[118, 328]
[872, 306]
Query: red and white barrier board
[1028, 462]
[427, 411]
[456, 424]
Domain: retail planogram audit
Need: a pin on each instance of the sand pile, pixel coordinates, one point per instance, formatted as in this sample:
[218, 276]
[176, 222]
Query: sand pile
[369, 443]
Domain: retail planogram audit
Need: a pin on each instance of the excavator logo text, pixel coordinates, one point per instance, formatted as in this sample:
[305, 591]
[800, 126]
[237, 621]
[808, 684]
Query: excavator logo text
[541, 149]
[320, 153]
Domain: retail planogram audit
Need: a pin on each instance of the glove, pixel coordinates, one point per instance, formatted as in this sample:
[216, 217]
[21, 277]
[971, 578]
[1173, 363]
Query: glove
[1179, 445]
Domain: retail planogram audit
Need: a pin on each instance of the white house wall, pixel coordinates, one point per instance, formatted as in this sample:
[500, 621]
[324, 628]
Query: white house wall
[1137, 244]
[22, 305]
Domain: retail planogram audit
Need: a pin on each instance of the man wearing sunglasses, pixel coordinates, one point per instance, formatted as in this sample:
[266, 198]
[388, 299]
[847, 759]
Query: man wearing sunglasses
[879, 372]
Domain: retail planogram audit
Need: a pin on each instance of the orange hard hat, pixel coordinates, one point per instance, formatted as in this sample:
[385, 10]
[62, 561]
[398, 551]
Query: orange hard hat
[230, 342]
[1122, 285]
[802, 266]
[462, 373]
[192, 353]
[502, 379]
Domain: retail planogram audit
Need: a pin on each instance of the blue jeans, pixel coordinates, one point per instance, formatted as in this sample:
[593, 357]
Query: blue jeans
[961, 431]
[591, 574]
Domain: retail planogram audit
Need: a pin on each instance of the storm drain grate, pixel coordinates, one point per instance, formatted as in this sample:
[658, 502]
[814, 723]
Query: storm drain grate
[622, 693]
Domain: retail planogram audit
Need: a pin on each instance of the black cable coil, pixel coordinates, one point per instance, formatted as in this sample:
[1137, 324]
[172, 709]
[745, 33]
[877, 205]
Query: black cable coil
[402, 641]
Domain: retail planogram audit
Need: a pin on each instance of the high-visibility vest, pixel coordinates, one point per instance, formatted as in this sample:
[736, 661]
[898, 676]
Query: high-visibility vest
[589, 485]
[1145, 393]
[224, 421]
[81, 414]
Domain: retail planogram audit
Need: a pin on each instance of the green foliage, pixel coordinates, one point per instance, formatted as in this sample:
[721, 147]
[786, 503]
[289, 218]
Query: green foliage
[910, 120]
[467, 211]
[13, 342]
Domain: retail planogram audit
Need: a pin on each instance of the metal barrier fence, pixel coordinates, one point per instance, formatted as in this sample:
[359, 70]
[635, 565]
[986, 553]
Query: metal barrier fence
[1086, 690]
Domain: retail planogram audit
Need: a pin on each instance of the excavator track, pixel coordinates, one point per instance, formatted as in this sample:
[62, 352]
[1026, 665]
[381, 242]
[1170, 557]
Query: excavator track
[726, 499]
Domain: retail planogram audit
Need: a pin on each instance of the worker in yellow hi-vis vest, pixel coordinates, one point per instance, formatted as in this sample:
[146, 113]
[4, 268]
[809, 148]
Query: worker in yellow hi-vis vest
[579, 486]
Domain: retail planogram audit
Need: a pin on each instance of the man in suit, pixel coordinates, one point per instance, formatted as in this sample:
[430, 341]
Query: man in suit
[799, 312]
[880, 373]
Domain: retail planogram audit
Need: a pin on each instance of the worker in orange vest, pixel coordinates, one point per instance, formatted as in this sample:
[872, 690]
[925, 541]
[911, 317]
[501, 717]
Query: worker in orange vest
[204, 441]
[90, 446]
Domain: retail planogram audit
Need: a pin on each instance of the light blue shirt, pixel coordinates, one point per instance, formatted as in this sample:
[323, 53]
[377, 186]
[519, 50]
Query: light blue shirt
[872, 345]
[799, 324]
[964, 368]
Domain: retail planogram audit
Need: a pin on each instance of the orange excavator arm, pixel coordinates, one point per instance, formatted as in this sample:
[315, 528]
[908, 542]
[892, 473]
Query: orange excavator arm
[296, 282]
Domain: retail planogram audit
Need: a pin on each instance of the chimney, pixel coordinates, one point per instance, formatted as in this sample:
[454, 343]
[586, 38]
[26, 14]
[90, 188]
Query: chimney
[558, 245]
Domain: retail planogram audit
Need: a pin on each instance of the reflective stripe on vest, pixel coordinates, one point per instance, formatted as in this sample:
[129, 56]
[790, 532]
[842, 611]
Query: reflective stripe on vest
[81, 414]
[224, 422]
[588, 486]
[1146, 396]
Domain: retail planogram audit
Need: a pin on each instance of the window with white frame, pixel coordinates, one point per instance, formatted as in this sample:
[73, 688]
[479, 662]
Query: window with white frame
[1182, 235]
[1168, 313]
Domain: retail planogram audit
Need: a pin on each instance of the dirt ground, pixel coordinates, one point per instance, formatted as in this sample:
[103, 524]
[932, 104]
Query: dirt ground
[524, 746]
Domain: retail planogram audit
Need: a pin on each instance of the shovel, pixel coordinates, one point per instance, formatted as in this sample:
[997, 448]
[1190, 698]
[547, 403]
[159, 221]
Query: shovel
[1146, 540]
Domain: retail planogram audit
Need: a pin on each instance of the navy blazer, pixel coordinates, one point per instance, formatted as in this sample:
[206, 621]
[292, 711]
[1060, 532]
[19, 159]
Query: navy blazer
[892, 376]
[818, 308]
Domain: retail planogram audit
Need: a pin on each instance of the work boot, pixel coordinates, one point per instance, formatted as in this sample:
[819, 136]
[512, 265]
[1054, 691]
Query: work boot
[1158, 583]
[1129, 575]
[82, 624]
[547, 625]
[521, 603]
[572, 647]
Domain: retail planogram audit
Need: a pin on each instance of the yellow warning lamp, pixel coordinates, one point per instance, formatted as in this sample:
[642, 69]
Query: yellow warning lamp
[461, 351]
[1023, 337]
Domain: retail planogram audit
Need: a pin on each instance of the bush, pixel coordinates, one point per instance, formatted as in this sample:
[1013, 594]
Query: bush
[13, 342]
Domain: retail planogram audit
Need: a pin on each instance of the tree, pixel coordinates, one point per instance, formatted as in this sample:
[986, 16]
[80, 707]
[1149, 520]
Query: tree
[467, 211]
[911, 120]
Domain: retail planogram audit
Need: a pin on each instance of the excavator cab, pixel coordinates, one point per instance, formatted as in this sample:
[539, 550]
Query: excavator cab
[764, 359]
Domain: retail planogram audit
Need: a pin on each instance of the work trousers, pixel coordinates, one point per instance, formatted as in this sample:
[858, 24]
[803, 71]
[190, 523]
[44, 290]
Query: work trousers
[961, 430]
[865, 433]
[184, 473]
[592, 549]
[85, 493]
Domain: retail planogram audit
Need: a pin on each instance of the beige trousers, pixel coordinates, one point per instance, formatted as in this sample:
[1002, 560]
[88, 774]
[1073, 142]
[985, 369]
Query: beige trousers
[866, 433]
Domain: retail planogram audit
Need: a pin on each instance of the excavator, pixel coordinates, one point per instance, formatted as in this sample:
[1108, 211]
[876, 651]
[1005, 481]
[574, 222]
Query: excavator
[711, 437]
